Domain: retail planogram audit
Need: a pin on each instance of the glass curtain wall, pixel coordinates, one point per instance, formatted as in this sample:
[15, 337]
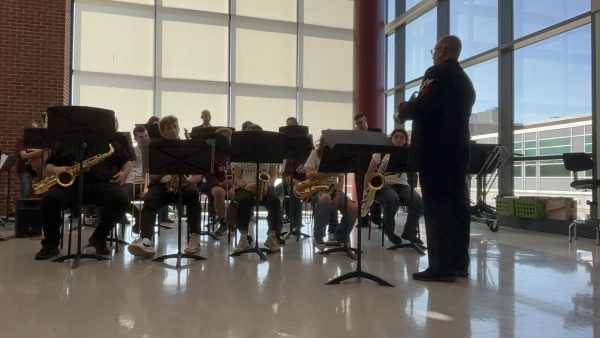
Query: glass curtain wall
[241, 59]
[551, 52]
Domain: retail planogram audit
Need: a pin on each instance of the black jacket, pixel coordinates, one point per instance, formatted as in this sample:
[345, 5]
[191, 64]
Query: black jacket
[440, 113]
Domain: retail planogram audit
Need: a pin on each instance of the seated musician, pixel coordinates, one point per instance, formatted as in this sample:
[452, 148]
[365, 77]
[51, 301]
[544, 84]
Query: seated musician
[396, 191]
[160, 193]
[328, 203]
[102, 187]
[134, 182]
[244, 177]
[29, 164]
[221, 184]
[294, 173]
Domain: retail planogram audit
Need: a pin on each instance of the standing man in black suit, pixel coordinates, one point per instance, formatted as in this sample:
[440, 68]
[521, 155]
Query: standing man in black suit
[440, 152]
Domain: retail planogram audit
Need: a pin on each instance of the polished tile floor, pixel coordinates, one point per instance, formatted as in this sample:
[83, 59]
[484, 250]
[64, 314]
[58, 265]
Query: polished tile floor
[522, 284]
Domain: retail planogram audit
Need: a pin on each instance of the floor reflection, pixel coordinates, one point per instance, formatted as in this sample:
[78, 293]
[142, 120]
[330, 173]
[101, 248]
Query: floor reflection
[522, 284]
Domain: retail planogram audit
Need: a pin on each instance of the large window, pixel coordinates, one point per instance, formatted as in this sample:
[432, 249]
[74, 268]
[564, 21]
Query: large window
[484, 116]
[420, 39]
[476, 23]
[553, 77]
[533, 15]
[260, 60]
[548, 70]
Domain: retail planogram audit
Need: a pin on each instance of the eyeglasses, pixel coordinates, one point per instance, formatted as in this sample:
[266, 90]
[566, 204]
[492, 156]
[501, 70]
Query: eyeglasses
[434, 49]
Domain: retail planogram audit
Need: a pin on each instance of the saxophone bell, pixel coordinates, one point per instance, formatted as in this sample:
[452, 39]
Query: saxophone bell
[65, 179]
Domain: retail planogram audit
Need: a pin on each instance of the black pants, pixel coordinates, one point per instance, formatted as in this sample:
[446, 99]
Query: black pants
[447, 219]
[294, 207]
[108, 196]
[158, 196]
[246, 201]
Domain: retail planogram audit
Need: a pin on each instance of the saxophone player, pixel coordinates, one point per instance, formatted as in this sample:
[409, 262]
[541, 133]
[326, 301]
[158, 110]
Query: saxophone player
[102, 187]
[328, 203]
[395, 191]
[221, 184]
[244, 177]
[159, 195]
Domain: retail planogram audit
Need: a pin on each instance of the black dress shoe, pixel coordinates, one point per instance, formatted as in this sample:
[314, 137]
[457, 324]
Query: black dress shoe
[100, 246]
[412, 239]
[47, 252]
[432, 276]
[462, 273]
[396, 239]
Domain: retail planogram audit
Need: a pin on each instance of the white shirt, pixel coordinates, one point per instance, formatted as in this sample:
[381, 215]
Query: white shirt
[249, 170]
[313, 161]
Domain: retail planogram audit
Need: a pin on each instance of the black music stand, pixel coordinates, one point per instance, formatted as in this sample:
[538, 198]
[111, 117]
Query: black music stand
[221, 148]
[7, 166]
[253, 146]
[338, 162]
[179, 157]
[81, 128]
[361, 144]
[398, 163]
[297, 146]
[206, 130]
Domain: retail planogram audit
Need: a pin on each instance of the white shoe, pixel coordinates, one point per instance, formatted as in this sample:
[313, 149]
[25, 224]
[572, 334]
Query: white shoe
[272, 242]
[141, 247]
[242, 243]
[193, 244]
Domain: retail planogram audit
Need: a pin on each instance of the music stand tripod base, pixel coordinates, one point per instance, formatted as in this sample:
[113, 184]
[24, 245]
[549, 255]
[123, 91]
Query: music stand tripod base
[351, 252]
[418, 247]
[178, 256]
[76, 257]
[256, 249]
[359, 274]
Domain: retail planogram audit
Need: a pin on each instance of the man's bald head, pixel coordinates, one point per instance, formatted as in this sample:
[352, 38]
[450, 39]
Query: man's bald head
[448, 47]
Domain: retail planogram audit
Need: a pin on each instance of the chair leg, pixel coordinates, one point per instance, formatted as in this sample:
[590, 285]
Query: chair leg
[570, 229]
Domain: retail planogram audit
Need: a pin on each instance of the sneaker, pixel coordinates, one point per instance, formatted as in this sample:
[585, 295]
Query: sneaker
[272, 242]
[193, 244]
[242, 244]
[222, 229]
[47, 252]
[319, 244]
[141, 247]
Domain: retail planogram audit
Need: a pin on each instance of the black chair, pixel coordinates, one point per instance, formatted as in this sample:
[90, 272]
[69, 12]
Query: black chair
[576, 162]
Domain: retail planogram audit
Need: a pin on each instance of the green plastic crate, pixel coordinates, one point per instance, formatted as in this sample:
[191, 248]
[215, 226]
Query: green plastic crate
[505, 206]
[530, 208]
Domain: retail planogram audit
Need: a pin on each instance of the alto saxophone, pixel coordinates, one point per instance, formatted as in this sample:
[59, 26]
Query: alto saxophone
[66, 178]
[374, 182]
[319, 182]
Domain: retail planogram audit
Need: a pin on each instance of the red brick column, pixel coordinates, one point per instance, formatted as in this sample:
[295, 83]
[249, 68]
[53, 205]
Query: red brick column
[369, 59]
[35, 48]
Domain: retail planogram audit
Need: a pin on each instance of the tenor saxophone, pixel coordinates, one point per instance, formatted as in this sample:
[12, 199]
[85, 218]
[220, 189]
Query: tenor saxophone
[66, 178]
[374, 182]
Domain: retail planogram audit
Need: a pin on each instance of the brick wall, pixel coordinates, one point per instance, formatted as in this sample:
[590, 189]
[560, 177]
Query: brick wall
[35, 42]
